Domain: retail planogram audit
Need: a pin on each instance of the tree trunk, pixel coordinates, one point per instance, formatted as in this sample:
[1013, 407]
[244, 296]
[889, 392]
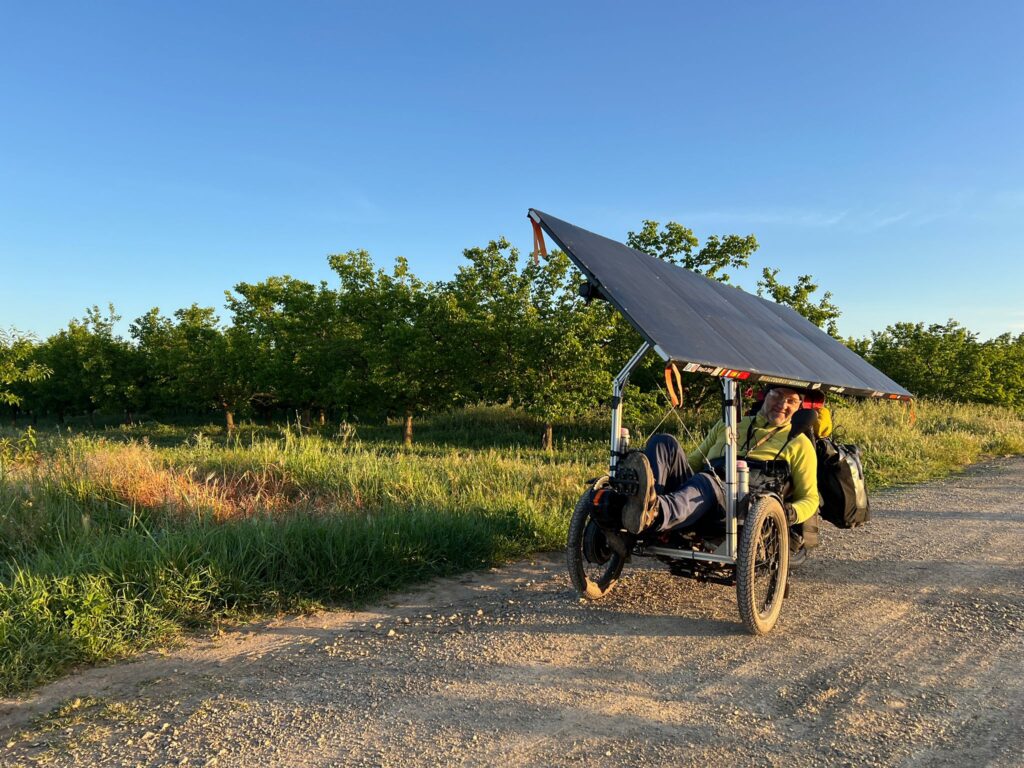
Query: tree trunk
[229, 419]
[407, 429]
[323, 417]
[547, 438]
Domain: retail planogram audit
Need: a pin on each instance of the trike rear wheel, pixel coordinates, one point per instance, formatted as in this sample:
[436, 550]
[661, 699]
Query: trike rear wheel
[762, 565]
[594, 566]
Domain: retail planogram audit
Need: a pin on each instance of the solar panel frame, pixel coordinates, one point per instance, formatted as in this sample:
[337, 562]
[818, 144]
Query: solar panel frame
[732, 333]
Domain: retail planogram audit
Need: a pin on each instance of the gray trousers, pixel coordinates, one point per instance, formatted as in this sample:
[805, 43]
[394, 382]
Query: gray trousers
[683, 497]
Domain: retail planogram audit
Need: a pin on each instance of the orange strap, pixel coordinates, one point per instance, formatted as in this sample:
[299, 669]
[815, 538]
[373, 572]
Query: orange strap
[539, 249]
[674, 385]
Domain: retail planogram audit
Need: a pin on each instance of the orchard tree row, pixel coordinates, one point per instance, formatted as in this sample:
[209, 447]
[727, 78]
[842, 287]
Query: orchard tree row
[945, 360]
[370, 344]
[378, 343]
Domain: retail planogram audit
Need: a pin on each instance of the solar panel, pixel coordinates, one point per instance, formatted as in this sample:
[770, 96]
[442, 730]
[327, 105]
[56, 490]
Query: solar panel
[704, 326]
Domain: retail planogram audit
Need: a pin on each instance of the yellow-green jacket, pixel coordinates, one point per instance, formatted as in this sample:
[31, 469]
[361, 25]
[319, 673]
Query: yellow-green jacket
[803, 461]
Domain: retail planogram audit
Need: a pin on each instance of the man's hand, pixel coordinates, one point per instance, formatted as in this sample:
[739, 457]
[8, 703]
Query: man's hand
[790, 513]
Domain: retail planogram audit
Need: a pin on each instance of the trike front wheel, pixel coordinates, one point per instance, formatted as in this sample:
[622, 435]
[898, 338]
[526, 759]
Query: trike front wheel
[594, 566]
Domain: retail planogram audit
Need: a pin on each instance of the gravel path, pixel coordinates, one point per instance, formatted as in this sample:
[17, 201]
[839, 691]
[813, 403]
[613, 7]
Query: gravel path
[900, 644]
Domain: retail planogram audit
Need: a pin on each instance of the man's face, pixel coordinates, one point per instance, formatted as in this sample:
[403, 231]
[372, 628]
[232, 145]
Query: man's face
[780, 404]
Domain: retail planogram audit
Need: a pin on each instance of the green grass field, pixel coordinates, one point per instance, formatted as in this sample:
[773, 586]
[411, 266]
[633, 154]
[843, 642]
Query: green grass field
[113, 541]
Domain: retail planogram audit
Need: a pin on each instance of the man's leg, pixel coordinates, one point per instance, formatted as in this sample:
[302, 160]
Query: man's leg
[698, 496]
[668, 463]
[682, 498]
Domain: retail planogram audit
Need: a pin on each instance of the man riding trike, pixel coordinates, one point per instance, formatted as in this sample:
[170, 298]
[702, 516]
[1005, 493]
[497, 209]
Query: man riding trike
[662, 502]
[728, 512]
[675, 491]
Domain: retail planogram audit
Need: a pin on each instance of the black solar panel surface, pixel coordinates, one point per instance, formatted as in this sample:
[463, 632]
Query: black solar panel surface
[705, 325]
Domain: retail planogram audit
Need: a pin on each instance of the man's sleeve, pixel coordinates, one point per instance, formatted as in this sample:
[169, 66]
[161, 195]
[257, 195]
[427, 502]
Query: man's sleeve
[696, 458]
[803, 464]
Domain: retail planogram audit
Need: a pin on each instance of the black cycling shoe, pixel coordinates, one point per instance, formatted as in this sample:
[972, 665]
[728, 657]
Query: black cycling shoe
[641, 508]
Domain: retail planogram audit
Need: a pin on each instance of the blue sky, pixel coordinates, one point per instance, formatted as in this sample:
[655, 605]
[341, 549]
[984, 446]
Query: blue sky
[156, 154]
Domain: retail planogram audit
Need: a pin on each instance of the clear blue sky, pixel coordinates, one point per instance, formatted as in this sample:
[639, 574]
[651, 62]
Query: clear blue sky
[155, 154]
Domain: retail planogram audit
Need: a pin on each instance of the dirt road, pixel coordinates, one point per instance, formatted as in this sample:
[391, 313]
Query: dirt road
[901, 644]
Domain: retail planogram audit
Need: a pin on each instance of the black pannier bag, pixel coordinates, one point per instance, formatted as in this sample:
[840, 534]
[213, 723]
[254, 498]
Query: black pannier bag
[844, 494]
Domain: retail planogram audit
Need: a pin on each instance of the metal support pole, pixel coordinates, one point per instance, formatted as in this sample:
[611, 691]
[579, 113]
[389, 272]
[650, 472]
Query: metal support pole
[729, 414]
[618, 385]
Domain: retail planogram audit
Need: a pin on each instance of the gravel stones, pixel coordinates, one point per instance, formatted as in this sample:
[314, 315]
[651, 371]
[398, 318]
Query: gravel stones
[899, 645]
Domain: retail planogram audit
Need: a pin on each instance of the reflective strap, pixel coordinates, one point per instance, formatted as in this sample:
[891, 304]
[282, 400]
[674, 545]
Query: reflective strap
[539, 249]
[674, 385]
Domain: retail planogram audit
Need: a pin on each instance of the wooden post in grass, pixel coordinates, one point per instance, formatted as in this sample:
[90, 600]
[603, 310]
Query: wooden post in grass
[547, 438]
[407, 429]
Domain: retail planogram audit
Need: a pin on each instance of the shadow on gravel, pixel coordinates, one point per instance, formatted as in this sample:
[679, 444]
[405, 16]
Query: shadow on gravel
[609, 622]
[919, 573]
[599, 712]
[932, 514]
[120, 682]
[315, 633]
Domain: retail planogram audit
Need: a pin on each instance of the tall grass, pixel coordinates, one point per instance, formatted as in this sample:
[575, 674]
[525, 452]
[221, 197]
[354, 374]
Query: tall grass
[945, 437]
[114, 541]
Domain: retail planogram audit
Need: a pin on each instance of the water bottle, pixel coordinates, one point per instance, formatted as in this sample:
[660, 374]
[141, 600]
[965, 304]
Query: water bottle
[742, 479]
[623, 441]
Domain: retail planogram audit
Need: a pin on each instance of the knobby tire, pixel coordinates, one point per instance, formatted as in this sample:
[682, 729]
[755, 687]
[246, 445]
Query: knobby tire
[762, 565]
[588, 587]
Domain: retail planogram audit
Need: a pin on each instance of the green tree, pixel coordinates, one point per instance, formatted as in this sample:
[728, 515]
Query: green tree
[1004, 358]
[487, 297]
[193, 364]
[938, 360]
[110, 368]
[17, 364]
[527, 338]
[355, 331]
[565, 371]
[861, 346]
[59, 394]
[153, 335]
[93, 369]
[400, 338]
[292, 326]
[678, 245]
[822, 313]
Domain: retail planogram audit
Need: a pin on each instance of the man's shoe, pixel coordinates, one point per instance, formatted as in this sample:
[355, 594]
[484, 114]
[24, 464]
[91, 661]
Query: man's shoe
[641, 507]
[798, 558]
[798, 553]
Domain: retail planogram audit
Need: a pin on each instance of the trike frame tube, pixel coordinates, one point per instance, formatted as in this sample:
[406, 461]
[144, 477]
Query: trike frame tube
[687, 554]
[618, 385]
[729, 416]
